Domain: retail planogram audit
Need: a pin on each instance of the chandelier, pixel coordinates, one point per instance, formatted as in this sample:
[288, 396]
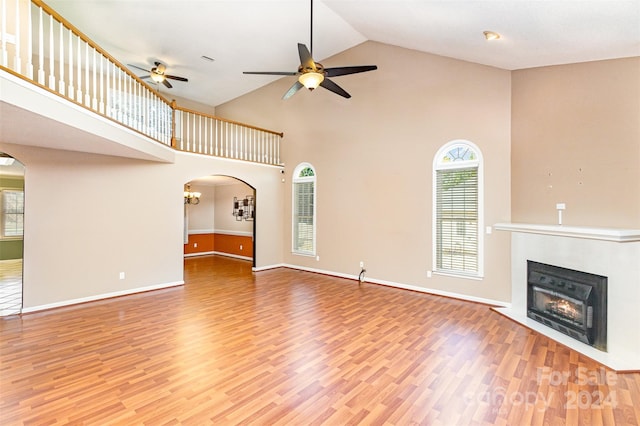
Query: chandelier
[191, 197]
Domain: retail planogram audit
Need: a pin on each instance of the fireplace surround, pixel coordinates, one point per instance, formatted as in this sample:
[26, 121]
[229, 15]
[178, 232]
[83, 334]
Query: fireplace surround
[610, 252]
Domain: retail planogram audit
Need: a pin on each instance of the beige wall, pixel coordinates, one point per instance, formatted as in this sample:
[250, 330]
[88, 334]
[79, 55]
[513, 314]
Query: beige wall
[89, 217]
[576, 140]
[373, 156]
[202, 215]
[225, 221]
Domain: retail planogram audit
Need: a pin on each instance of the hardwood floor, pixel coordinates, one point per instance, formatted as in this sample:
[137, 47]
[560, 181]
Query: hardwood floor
[289, 347]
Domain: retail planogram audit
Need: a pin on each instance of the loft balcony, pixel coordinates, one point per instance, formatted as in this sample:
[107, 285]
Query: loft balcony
[55, 81]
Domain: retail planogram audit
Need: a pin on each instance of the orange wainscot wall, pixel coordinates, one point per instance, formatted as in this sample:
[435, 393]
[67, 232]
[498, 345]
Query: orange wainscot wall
[199, 243]
[239, 245]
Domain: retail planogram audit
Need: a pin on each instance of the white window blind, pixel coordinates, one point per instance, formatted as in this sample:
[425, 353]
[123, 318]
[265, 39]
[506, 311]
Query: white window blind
[12, 213]
[304, 210]
[457, 220]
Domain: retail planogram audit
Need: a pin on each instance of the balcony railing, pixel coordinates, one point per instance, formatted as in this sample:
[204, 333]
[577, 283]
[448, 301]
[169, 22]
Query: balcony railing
[38, 45]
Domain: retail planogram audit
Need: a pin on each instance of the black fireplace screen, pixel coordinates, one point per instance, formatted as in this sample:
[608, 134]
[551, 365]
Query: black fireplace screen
[561, 307]
[572, 302]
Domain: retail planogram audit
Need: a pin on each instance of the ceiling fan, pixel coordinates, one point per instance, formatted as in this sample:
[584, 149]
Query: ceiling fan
[157, 74]
[312, 74]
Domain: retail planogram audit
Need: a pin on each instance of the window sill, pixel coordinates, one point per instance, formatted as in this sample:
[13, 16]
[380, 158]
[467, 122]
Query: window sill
[459, 275]
[298, 253]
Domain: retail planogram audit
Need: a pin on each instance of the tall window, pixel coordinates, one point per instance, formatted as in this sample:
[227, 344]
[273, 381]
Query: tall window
[304, 209]
[457, 202]
[12, 213]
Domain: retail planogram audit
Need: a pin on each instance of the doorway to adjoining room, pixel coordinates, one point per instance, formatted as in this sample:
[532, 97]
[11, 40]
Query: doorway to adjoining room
[219, 217]
[11, 234]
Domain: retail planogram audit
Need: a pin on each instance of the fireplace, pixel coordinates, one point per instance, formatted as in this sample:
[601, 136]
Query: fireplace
[572, 302]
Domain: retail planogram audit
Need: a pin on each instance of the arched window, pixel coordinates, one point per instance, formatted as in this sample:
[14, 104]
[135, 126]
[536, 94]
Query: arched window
[304, 210]
[457, 204]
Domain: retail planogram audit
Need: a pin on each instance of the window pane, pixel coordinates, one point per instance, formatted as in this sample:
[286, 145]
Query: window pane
[457, 220]
[12, 213]
[303, 217]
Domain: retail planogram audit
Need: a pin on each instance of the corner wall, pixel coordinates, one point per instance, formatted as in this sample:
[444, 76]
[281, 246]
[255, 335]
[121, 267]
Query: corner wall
[373, 156]
[576, 140]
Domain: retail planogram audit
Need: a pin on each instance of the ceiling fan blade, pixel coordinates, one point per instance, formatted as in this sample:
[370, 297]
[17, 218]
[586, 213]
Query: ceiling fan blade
[331, 86]
[306, 61]
[175, 77]
[270, 72]
[334, 72]
[135, 66]
[166, 83]
[293, 90]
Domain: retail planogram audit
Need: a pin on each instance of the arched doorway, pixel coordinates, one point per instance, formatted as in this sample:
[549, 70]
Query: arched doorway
[222, 221]
[11, 234]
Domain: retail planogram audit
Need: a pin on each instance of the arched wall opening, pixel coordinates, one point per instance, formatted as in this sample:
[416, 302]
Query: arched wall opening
[223, 219]
[12, 206]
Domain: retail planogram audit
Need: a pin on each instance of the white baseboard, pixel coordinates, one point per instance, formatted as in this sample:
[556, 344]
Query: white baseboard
[235, 256]
[406, 286]
[101, 296]
[219, 253]
[200, 253]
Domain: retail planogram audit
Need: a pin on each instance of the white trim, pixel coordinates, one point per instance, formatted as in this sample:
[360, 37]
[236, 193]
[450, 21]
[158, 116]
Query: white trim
[200, 231]
[314, 180]
[436, 165]
[101, 296]
[268, 267]
[237, 256]
[220, 253]
[402, 286]
[220, 231]
[616, 235]
[200, 253]
[236, 233]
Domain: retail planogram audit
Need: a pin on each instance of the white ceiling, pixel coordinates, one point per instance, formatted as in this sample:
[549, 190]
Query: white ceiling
[261, 35]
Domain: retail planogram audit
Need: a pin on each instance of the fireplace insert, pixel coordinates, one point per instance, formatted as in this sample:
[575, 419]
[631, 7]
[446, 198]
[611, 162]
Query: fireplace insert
[572, 302]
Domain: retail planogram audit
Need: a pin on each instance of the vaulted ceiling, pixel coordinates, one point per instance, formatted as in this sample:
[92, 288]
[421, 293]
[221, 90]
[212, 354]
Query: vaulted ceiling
[261, 35]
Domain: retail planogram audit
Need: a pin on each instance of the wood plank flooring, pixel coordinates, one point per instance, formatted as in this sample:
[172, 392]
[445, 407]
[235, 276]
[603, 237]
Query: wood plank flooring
[285, 347]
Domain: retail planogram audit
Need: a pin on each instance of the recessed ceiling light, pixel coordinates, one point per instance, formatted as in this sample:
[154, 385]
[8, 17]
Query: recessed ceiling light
[207, 58]
[491, 35]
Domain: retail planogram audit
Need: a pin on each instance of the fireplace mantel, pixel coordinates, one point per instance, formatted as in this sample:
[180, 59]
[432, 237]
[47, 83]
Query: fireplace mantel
[613, 253]
[617, 235]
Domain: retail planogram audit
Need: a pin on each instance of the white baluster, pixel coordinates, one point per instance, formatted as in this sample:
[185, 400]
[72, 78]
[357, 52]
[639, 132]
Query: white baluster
[87, 94]
[94, 99]
[101, 103]
[17, 61]
[29, 43]
[79, 70]
[71, 89]
[3, 34]
[61, 83]
[40, 48]
[52, 77]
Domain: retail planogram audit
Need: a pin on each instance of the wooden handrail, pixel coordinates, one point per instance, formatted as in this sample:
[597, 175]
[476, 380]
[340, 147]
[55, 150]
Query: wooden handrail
[177, 108]
[94, 45]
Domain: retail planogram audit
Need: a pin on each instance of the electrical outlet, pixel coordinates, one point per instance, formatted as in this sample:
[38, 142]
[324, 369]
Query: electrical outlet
[429, 274]
[122, 275]
[240, 246]
[361, 264]
[195, 245]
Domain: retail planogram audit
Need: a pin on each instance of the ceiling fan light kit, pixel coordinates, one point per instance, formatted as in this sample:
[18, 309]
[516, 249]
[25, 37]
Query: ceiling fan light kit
[157, 74]
[311, 80]
[491, 35]
[312, 74]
